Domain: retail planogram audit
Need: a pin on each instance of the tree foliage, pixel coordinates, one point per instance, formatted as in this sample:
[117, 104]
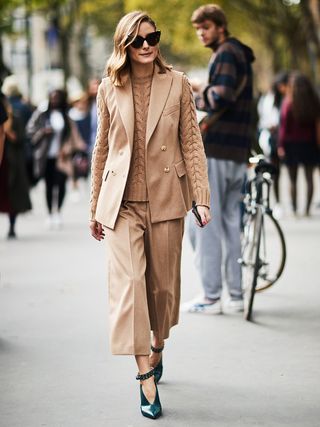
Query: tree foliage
[287, 34]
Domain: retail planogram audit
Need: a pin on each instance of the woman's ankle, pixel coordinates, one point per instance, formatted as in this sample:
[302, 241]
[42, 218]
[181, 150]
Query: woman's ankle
[157, 342]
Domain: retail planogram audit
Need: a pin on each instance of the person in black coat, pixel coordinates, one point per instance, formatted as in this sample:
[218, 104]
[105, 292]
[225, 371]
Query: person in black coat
[3, 118]
[14, 183]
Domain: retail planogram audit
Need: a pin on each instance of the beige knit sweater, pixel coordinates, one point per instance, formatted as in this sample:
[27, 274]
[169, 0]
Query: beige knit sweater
[189, 135]
[136, 187]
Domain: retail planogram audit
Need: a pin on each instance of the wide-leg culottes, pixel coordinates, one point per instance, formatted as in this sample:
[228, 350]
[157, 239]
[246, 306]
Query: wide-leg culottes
[144, 278]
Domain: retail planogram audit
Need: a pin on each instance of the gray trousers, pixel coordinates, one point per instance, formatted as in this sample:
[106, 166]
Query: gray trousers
[217, 246]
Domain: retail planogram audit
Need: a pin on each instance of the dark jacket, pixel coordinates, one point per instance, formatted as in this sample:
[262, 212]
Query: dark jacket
[230, 137]
[36, 126]
[14, 183]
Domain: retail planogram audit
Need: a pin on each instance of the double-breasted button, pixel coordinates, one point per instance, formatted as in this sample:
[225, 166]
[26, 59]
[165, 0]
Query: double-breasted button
[163, 147]
[166, 169]
[114, 173]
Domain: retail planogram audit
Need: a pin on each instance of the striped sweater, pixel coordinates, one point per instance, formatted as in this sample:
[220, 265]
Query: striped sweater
[230, 137]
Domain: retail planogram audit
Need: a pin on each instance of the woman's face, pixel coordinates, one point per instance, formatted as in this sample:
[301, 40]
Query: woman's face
[283, 88]
[290, 87]
[145, 54]
[56, 100]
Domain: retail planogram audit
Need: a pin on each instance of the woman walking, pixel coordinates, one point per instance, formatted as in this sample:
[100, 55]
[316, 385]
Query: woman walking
[3, 118]
[14, 183]
[299, 136]
[55, 138]
[148, 165]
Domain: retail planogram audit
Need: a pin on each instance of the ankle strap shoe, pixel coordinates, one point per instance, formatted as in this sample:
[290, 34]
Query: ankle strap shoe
[149, 410]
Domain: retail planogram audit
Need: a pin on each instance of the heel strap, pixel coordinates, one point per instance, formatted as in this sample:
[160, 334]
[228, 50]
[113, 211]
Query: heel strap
[157, 350]
[143, 377]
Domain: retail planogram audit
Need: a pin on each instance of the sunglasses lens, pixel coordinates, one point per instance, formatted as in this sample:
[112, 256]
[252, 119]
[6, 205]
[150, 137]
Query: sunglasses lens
[153, 38]
[137, 42]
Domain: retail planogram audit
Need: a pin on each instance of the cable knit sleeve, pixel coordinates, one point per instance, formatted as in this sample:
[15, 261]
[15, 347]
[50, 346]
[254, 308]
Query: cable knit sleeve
[192, 147]
[101, 148]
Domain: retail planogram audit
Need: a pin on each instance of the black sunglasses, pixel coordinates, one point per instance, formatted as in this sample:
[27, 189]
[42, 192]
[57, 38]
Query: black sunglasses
[152, 39]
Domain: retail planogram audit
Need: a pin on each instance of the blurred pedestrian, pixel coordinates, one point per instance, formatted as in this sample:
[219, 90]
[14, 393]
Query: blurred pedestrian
[55, 138]
[3, 118]
[299, 136]
[269, 106]
[14, 184]
[22, 111]
[92, 91]
[148, 151]
[227, 98]
[80, 114]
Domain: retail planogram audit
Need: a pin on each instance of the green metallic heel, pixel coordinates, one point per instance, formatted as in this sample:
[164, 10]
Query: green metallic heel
[158, 370]
[149, 410]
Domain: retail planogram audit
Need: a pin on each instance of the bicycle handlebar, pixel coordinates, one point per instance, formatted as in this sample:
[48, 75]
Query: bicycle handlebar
[262, 165]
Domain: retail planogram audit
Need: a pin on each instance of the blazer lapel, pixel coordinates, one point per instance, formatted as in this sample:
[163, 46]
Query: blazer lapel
[124, 99]
[161, 84]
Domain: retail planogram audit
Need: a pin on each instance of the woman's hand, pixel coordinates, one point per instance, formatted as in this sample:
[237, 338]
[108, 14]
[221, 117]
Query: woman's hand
[96, 230]
[204, 212]
[47, 130]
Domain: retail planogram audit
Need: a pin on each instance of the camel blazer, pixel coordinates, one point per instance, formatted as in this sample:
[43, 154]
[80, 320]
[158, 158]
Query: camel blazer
[176, 168]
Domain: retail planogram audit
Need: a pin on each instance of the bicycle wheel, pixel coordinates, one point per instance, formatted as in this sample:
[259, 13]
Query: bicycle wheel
[250, 260]
[272, 253]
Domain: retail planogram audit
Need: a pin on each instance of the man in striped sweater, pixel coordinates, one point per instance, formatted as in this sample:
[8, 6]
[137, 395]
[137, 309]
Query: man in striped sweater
[228, 97]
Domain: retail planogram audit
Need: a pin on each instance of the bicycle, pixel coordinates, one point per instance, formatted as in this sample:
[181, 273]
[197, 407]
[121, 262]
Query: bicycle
[263, 254]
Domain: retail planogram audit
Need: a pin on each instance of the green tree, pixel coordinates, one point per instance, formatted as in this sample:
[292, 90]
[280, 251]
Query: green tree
[288, 29]
[287, 33]
[5, 27]
[178, 41]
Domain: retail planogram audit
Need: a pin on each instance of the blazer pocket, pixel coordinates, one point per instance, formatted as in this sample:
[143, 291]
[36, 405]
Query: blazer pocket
[171, 109]
[180, 168]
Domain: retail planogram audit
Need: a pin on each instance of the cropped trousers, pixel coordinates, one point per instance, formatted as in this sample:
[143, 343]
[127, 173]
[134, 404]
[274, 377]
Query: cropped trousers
[144, 278]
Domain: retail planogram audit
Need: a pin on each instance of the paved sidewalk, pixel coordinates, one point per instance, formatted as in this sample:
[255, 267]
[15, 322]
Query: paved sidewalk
[55, 365]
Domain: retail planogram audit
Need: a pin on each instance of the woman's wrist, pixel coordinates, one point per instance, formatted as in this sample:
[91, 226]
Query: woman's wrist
[205, 206]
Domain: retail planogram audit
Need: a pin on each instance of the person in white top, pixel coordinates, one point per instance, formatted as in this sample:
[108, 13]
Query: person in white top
[55, 138]
[269, 116]
[269, 121]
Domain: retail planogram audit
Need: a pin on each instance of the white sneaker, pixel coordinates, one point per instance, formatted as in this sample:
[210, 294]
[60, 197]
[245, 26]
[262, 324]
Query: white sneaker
[49, 222]
[235, 305]
[57, 221]
[200, 305]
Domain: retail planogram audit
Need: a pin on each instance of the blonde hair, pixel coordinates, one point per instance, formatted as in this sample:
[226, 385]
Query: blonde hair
[118, 65]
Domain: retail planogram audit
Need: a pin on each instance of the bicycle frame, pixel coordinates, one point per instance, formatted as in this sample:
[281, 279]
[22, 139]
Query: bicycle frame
[260, 270]
[258, 193]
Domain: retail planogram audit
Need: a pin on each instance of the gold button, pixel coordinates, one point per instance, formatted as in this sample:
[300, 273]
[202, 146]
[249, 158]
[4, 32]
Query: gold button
[163, 147]
[167, 169]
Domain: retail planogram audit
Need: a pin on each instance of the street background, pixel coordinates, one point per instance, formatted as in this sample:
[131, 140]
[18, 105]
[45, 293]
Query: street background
[55, 43]
[56, 369]
[55, 365]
